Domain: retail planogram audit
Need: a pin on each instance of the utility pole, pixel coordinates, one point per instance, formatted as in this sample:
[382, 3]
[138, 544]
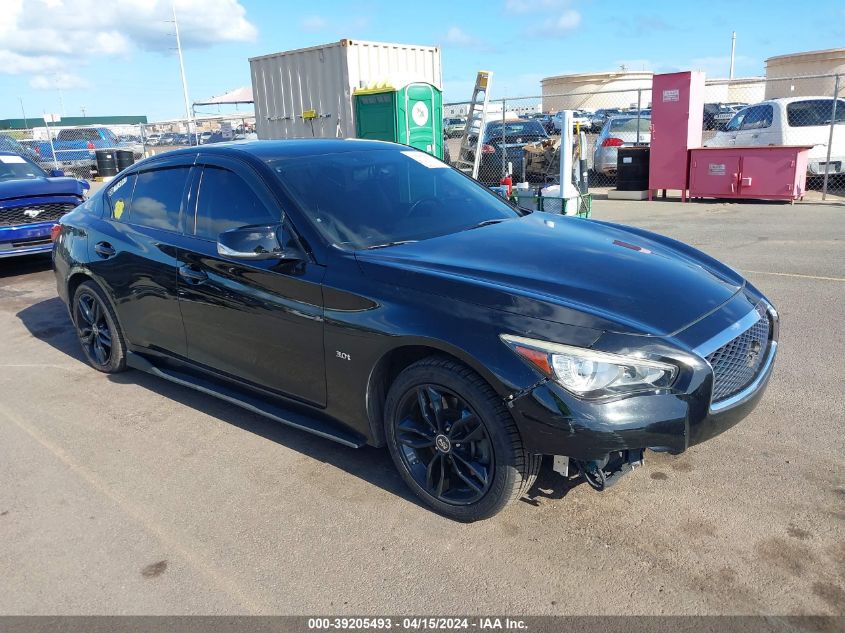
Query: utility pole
[23, 112]
[83, 111]
[184, 81]
[733, 52]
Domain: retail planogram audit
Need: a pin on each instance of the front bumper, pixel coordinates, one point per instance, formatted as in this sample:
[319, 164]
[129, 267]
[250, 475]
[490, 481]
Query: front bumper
[27, 239]
[554, 422]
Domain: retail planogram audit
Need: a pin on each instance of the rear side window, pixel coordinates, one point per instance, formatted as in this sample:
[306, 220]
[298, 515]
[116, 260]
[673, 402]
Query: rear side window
[226, 202]
[814, 112]
[157, 198]
[119, 195]
[758, 117]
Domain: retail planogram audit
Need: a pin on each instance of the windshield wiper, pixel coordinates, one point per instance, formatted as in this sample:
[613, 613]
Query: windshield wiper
[485, 223]
[386, 244]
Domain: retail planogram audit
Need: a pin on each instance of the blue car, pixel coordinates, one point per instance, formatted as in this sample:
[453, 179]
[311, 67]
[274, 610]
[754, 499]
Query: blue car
[31, 203]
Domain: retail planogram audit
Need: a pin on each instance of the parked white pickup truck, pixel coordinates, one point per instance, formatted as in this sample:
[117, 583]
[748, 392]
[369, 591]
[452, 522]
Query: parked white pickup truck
[790, 121]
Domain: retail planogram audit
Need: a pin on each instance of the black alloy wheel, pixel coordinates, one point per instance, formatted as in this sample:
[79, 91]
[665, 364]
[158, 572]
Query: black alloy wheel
[454, 441]
[97, 329]
[93, 330]
[444, 445]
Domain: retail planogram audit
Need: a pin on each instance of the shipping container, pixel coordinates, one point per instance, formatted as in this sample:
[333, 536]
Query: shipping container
[308, 92]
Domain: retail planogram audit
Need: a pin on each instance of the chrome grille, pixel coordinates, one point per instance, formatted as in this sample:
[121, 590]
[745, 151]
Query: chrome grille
[34, 213]
[735, 364]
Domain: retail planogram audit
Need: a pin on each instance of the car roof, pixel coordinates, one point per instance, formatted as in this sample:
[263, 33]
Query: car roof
[289, 147]
[627, 117]
[787, 100]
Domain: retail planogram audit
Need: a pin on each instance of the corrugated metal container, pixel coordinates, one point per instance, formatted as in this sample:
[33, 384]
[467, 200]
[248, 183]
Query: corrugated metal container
[308, 92]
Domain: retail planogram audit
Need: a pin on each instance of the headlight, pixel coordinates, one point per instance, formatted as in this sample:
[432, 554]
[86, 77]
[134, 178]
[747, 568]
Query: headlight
[592, 374]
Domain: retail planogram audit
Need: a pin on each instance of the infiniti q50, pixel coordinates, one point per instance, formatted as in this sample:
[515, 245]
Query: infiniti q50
[369, 293]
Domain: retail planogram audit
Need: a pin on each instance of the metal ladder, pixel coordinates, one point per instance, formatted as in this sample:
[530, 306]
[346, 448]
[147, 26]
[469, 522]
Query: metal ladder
[469, 157]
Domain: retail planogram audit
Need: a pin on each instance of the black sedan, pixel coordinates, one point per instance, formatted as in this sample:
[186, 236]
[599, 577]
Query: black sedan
[503, 147]
[370, 294]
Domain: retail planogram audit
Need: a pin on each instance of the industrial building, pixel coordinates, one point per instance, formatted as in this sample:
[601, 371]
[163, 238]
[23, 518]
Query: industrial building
[809, 64]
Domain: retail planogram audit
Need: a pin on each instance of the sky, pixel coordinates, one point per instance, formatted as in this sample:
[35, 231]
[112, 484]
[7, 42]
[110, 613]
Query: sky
[118, 57]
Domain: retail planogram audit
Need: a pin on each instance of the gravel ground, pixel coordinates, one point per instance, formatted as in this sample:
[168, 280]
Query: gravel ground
[130, 495]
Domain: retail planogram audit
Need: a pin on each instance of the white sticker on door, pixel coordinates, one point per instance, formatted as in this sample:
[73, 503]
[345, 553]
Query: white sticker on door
[671, 95]
[716, 169]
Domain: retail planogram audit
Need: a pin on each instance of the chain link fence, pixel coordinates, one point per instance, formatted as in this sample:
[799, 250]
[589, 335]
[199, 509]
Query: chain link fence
[73, 150]
[521, 135]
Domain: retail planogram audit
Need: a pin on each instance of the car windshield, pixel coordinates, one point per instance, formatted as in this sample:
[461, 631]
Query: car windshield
[371, 198]
[629, 125]
[814, 112]
[524, 127]
[18, 167]
[8, 144]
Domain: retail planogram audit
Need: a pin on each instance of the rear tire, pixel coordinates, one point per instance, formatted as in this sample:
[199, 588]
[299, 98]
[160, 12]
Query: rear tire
[98, 330]
[454, 442]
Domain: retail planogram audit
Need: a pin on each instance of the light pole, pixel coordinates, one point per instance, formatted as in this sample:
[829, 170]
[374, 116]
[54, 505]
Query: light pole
[733, 52]
[23, 112]
[182, 70]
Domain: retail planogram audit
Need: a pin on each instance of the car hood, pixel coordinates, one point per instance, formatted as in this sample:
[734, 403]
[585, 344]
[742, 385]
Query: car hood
[568, 270]
[30, 187]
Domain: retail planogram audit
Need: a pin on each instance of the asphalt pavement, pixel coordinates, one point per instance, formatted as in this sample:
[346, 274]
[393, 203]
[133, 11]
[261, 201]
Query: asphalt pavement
[130, 495]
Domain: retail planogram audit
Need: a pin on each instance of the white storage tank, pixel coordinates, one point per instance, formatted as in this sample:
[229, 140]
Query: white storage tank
[308, 92]
[804, 74]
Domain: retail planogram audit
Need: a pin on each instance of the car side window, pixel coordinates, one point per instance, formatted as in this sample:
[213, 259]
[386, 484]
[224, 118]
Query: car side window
[225, 201]
[758, 117]
[736, 122]
[119, 195]
[157, 198]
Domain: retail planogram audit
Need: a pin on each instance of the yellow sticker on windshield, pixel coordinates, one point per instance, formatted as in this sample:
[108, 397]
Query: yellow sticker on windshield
[118, 209]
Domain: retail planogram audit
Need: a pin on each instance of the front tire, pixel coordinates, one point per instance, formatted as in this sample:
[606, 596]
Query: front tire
[454, 442]
[98, 330]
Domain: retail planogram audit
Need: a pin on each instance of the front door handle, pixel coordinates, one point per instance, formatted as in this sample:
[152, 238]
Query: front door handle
[192, 275]
[104, 250]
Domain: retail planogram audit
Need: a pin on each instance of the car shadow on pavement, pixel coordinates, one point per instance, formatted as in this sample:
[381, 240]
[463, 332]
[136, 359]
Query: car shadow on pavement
[49, 321]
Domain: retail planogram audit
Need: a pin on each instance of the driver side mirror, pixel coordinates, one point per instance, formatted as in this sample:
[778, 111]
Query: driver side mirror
[56, 173]
[256, 243]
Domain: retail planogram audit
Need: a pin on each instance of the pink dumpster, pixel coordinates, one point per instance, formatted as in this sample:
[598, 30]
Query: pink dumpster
[777, 172]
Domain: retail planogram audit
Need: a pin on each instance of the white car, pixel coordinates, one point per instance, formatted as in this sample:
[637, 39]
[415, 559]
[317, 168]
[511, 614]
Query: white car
[790, 121]
[579, 117]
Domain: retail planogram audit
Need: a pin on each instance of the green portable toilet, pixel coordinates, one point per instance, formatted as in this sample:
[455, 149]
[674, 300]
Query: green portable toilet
[412, 115]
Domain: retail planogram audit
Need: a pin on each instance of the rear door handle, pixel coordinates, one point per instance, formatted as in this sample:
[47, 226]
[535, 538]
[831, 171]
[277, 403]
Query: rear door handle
[192, 275]
[104, 250]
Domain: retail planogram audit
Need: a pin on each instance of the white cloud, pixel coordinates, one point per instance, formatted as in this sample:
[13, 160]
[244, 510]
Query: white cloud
[457, 36]
[314, 23]
[40, 36]
[561, 24]
[57, 81]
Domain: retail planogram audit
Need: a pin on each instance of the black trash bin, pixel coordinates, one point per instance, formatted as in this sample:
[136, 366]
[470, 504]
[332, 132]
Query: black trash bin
[632, 169]
[106, 163]
[125, 158]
